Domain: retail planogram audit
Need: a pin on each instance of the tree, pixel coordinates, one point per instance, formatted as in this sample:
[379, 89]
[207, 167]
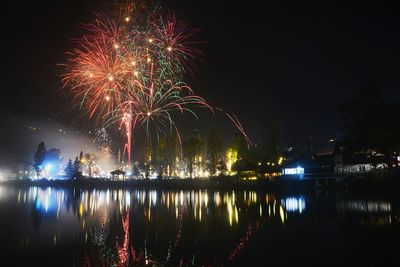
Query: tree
[77, 168]
[147, 157]
[239, 144]
[166, 154]
[274, 145]
[53, 154]
[193, 147]
[237, 154]
[231, 157]
[371, 125]
[39, 158]
[69, 169]
[135, 169]
[81, 160]
[214, 151]
[89, 161]
[162, 154]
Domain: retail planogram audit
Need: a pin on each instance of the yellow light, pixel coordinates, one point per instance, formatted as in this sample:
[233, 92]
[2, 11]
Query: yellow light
[136, 73]
[148, 59]
[231, 158]
[150, 40]
[81, 209]
[127, 19]
[110, 78]
[280, 161]
[259, 164]
[133, 63]
[148, 113]
[91, 75]
[169, 48]
[282, 214]
[107, 98]
[116, 46]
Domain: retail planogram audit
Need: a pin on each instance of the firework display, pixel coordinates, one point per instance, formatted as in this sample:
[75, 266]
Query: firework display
[127, 70]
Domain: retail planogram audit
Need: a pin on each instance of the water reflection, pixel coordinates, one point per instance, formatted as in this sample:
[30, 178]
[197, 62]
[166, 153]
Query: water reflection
[148, 227]
[98, 203]
[361, 206]
[294, 204]
[377, 213]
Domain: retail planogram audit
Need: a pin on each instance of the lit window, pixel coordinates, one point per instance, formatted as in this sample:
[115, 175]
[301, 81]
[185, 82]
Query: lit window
[294, 171]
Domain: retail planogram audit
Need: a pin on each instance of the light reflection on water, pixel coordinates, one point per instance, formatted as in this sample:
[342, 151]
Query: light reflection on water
[93, 203]
[198, 227]
[365, 206]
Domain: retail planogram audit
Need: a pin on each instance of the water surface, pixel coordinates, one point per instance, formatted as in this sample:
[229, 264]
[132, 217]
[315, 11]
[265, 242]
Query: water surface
[80, 227]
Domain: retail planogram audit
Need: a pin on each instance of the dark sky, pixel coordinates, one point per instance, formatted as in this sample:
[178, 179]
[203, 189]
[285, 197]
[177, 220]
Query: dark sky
[264, 60]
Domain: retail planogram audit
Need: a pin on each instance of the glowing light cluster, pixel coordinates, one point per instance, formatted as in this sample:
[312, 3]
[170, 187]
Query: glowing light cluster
[293, 171]
[231, 158]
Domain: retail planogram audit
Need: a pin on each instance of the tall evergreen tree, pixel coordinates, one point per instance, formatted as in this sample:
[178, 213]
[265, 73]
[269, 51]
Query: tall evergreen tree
[69, 169]
[39, 158]
[77, 168]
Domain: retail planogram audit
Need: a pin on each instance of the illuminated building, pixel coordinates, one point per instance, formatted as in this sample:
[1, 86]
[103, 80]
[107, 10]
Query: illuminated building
[299, 169]
[118, 175]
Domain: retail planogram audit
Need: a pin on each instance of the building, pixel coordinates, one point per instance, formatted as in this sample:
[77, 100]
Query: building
[330, 158]
[300, 169]
[362, 163]
[118, 175]
[327, 161]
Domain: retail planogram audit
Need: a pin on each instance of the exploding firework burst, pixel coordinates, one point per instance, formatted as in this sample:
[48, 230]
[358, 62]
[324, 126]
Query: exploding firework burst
[128, 71]
[102, 138]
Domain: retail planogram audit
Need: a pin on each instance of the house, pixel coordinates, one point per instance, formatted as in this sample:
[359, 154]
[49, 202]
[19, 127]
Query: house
[360, 163]
[327, 161]
[118, 175]
[300, 169]
[329, 158]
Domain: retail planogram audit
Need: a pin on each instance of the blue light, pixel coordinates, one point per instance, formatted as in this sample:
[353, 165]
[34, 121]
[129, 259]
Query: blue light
[46, 204]
[48, 166]
[299, 170]
[51, 169]
[38, 205]
[294, 171]
[294, 204]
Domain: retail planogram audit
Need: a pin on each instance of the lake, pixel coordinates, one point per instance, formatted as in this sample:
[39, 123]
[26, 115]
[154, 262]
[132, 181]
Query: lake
[47, 226]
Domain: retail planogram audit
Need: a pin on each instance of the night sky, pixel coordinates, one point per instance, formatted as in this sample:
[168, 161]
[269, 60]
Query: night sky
[288, 61]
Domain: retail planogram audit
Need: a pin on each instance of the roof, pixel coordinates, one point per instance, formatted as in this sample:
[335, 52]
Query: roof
[329, 149]
[305, 163]
[325, 159]
[118, 172]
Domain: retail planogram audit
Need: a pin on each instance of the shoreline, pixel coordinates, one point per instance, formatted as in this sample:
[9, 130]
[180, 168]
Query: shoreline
[368, 184]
